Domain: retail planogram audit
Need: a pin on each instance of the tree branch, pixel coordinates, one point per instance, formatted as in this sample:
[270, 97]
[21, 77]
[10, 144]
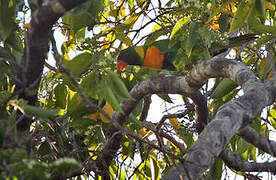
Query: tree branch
[37, 45]
[231, 117]
[234, 161]
[263, 143]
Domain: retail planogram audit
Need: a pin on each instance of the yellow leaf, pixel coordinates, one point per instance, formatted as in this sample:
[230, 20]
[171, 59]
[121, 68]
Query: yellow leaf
[262, 65]
[140, 51]
[144, 133]
[26, 25]
[91, 151]
[268, 5]
[94, 116]
[214, 26]
[175, 124]
[122, 11]
[109, 110]
[269, 74]
[266, 70]
[179, 25]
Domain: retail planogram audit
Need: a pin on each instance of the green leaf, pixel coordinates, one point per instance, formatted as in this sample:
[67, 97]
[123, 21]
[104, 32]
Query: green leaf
[132, 19]
[73, 101]
[36, 111]
[4, 69]
[146, 168]
[100, 135]
[5, 54]
[44, 149]
[224, 87]
[14, 41]
[81, 123]
[80, 64]
[245, 155]
[273, 121]
[178, 25]
[61, 93]
[216, 169]
[155, 35]
[165, 97]
[193, 38]
[118, 85]
[64, 166]
[130, 3]
[110, 97]
[18, 154]
[265, 68]
[125, 39]
[90, 85]
[127, 148]
[156, 167]
[188, 139]
[260, 9]
[233, 143]
[272, 112]
[133, 123]
[242, 146]
[257, 27]
[223, 24]
[2, 135]
[241, 15]
[84, 15]
[263, 40]
[15, 46]
[7, 18]
[253, 153]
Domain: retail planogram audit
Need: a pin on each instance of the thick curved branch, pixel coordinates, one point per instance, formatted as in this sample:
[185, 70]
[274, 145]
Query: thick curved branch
[162, 84]
[36, 47]
[261, 142]
[234, 161]
[231, 117]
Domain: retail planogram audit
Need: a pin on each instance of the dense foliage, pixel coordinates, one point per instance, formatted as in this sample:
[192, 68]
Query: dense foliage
[59, 84]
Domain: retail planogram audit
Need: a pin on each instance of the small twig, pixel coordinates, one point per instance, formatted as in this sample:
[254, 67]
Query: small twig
[161, 144]
[151, 126]
[50, 67]
[167, 116]
[137, 167]
[173, 140]
[75, 82]
[146, 106]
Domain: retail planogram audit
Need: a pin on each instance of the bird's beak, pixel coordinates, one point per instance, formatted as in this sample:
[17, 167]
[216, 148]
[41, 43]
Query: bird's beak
[121, 65]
